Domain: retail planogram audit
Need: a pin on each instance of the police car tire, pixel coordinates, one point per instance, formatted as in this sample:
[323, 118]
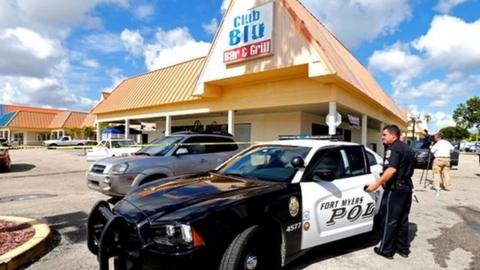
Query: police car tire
[235, 255]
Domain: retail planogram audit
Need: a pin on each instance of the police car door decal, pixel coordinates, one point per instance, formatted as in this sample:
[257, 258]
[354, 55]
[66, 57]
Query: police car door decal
[336, 209]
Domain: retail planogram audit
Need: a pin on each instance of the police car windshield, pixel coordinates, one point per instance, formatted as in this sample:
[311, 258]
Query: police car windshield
[267, 163]
[160, 147]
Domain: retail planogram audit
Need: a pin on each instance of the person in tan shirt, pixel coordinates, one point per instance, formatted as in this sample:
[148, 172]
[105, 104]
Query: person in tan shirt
[441, 164]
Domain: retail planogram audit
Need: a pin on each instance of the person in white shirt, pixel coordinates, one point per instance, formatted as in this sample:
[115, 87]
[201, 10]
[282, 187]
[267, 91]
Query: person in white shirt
[441, 164]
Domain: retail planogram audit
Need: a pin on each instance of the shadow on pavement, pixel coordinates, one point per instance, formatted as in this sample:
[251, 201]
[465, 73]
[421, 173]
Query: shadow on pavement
[71, 226]
[21, 167]
[342, 247]
[463, 235]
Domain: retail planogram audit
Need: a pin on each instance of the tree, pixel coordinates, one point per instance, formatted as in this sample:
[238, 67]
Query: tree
[73, 132]
[427, 117]
[468, 115]
[455, 134]
[87, 132]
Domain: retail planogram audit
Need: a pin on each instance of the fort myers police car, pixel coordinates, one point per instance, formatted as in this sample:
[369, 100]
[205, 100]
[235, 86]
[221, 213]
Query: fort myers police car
[259, 210]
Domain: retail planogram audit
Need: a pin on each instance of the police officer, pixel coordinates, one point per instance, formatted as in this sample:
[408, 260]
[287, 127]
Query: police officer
[397, 198]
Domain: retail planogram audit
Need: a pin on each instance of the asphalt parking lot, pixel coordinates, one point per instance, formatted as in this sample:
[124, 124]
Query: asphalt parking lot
[50, 185]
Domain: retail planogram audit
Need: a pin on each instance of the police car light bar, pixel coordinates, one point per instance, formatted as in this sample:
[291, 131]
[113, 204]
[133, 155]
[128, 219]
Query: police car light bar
[309, 137]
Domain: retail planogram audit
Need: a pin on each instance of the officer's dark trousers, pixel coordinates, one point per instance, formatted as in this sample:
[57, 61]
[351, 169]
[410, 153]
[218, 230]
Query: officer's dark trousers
[394, 220]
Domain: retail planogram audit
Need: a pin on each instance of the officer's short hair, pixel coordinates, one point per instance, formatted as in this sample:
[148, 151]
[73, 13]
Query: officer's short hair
[439, 134]
[393, 129]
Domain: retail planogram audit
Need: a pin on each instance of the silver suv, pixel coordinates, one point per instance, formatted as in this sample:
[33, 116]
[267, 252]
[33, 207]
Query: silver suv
[178, 154]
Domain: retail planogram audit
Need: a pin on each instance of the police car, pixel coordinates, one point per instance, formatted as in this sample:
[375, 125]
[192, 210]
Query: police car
[259, 210]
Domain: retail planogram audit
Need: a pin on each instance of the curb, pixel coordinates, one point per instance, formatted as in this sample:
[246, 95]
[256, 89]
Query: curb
[38, 244]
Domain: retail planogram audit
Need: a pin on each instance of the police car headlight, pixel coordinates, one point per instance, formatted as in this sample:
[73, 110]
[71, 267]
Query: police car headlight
[177, 235]
[119, 168]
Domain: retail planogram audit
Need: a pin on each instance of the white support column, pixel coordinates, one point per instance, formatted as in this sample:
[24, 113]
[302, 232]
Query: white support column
[99, 132]
[380, 143]
[231, 122]
[9, 135]
[168, 125]
[332, 112]
[364, 129]
[127, 129]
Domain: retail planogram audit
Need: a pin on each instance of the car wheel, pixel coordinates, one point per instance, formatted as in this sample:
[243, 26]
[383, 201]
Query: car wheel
[248, 251]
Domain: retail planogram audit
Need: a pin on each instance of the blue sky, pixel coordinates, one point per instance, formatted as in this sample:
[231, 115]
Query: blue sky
[425, 54]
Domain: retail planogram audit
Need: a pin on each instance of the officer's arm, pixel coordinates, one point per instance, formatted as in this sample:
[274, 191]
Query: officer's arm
[393, 163]
[387, 175]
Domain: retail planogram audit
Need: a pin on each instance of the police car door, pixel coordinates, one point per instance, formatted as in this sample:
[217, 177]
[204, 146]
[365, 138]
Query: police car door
[335, 204]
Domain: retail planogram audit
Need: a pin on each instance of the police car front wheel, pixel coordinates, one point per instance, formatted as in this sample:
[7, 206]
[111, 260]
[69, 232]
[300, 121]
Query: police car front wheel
[248, 252]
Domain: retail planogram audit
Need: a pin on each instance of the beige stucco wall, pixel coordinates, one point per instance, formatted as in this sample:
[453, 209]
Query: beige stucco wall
[264, 127]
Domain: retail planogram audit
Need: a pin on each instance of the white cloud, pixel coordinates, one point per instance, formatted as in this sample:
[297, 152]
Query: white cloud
[445, 6]
[211, 27]
[358, 21]
[42, 92]
[450, 46]
[441, 120]
[103, 42]
[168, 47]
[144, 12]
[116, 76]
[34, 64]
[132, 41]
[25, 52]
[440, 92]
[225, 5]
[398, 62]
[91, 63]
[173, 46]
[451, 42]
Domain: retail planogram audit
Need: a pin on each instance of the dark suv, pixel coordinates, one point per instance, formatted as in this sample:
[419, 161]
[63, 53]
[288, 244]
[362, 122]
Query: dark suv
[178, 154]
[424, 158]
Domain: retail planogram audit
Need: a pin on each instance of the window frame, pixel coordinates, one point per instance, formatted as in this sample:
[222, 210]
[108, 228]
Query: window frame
[308, 175]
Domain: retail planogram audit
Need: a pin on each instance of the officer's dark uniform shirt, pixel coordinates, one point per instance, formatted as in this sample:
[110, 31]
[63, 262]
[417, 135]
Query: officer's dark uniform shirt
[400, 157]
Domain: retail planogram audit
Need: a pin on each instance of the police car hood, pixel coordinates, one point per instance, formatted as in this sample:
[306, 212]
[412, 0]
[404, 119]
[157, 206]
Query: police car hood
[165, 197]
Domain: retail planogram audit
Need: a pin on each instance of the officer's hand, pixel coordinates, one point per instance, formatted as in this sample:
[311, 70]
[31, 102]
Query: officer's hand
[372, 187]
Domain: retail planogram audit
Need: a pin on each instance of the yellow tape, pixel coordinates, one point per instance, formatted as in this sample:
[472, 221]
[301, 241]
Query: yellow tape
[80, 147]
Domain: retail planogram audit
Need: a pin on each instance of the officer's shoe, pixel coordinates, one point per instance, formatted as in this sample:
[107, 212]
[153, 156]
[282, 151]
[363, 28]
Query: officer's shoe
[403, 253]
[387, 256]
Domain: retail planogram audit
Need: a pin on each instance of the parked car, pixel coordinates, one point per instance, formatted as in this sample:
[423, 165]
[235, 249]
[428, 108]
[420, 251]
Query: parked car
[112, 148]
[423, 156]
[181, 153]
[5, 161]
[475, 148]
[66, 141]
[7, 143]
[259, 210]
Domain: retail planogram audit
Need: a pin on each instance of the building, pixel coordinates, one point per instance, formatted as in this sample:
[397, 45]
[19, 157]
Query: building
[31, 126]
[273, 69]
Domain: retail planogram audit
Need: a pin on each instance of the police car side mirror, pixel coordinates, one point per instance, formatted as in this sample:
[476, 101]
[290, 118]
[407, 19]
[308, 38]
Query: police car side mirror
[297, 162]
[323, 175]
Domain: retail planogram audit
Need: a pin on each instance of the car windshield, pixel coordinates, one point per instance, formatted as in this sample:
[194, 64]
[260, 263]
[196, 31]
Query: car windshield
[267, 163]
[419, 144]
[119, 144]
[160, 147]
